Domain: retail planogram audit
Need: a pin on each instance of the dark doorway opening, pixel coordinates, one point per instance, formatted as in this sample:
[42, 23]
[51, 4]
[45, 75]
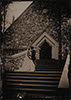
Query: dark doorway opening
[45, 51]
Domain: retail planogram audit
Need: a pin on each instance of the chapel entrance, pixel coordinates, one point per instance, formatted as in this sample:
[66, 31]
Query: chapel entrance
[45, 51]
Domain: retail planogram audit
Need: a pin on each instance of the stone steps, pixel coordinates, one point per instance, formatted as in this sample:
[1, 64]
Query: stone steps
[43, 82]
[38, 82]
[50, 65]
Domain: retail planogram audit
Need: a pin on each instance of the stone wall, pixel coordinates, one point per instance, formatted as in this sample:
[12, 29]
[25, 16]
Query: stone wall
[37, 19]
[14, 62]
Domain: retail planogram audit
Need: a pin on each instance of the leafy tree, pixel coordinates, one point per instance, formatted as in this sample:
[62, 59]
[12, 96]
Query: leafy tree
[3, 10]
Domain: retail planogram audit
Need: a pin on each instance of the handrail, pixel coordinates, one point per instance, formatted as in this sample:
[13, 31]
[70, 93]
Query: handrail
[16, 55]
[64, 82]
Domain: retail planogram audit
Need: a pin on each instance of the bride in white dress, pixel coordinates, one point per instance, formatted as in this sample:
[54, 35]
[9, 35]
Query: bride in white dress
[27, 65]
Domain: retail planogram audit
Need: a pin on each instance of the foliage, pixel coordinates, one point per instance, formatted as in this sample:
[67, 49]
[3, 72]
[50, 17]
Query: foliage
[3, 9]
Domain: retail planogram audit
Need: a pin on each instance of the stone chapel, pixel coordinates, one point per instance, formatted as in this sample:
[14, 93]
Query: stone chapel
[38, 26]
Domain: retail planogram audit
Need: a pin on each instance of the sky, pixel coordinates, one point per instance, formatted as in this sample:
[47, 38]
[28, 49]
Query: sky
[15, 9]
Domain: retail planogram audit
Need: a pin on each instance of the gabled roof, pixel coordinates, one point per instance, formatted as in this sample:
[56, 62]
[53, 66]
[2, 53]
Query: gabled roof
[47, 38]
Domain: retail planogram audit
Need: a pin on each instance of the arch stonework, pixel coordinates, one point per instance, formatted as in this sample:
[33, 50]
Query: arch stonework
[50, 41]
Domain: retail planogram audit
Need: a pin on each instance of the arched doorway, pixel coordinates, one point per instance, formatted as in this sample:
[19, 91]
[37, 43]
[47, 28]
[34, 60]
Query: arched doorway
[50, 45]
[45, 51]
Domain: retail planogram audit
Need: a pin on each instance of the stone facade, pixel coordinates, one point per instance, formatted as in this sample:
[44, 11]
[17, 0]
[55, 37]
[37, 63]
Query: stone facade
[31, 24]
[38, 18]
